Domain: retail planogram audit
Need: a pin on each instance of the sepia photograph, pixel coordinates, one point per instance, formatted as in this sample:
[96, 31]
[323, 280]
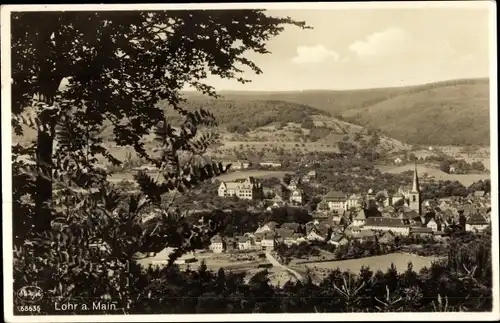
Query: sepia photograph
[231, 162]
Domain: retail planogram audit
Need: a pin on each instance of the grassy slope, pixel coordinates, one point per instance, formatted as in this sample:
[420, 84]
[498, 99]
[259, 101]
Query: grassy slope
[447, 115]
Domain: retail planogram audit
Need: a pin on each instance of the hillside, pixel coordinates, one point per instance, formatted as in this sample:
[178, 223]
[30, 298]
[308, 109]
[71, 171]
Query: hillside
[445, 115]
[438, 108]
[243, 115]
[247, 121]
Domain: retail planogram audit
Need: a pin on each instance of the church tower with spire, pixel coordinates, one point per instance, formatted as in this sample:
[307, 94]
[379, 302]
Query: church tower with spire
[414, 196]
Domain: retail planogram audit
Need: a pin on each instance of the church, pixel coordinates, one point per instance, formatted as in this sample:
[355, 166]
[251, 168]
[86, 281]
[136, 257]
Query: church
[409, 197]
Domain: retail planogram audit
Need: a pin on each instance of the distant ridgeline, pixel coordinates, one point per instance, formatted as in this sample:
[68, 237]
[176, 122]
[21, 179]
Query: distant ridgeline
[439, 109]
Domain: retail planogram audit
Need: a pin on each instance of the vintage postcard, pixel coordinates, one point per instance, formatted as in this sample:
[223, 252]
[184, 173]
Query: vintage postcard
[246, 162]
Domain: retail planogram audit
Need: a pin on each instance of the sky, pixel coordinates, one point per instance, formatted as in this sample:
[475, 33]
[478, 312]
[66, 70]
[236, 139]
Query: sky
[370, 48]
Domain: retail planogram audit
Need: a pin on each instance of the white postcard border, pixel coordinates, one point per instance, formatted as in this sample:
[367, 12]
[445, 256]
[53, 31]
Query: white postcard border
[7, 167]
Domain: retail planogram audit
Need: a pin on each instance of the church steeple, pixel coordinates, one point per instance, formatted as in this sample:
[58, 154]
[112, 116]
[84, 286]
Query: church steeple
[416, 186]
[415, 193]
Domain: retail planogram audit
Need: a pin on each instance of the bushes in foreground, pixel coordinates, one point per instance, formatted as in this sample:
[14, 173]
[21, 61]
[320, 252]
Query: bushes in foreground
[462, 282]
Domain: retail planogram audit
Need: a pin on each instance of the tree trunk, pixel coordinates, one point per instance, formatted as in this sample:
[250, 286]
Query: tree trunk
[43, 199]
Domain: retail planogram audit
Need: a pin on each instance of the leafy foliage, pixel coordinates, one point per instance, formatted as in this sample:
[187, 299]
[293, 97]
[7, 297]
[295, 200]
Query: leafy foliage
[77, 236]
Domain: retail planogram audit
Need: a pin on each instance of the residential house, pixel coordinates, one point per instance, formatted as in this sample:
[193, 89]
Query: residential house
[266, 227]
[476, 222]
[275, 205]
[294, 184]
[297, 196]
[421, 231]
[248, 189]
[217, 244]
[268, 240]
[317, 233]
[355, 230]
[433, 225]
[364, 235]
[479, 194]
[336, 201]
[397, 225]
[338, 240]
[360, 219]
[298, 238]
[398, 161]
[285, 236]
[270, 164]
[387, 238]
[452, 169]
[245, 243]
[335, 218]
[239, 164]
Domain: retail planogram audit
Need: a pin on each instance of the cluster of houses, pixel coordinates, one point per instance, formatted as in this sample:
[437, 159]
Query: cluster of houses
[267, 236]
[360, 218]
[340, 203]
[252, 189]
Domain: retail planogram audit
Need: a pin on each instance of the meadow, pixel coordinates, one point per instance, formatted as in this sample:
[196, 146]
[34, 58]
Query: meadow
[400, 260]
[465, 179]
[252, 173]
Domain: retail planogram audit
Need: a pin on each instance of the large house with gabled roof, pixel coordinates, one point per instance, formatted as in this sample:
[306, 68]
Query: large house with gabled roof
[400, 225]
[248, 189]
[476, 222]
[336, 201]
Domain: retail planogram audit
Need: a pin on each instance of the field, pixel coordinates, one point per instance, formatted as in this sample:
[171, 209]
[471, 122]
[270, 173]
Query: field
[286, 145]
[400, 260]
[229, 262]
[465, 179]
[254, 173]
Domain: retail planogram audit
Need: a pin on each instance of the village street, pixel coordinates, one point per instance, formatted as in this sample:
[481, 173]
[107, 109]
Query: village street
[276, 263]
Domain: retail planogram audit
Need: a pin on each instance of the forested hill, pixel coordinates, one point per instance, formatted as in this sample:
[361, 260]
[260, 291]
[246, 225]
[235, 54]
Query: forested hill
[251, 113]
[452, 112]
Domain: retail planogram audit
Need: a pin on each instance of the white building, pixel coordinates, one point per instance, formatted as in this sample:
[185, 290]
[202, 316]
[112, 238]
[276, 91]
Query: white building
[248, 189]
[476, 222]
[360, 219]
[217, 244]
[297, 196]
[336, 201]
[396, 225]
[246, 243]
[432, 224]
[268, 240]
